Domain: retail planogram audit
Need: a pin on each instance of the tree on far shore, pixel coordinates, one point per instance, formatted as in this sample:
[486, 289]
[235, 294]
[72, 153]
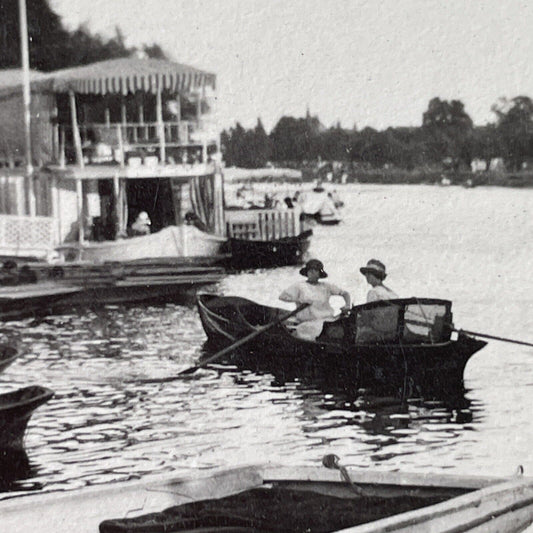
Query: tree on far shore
[515, 129]
[449, 129]
[51, 45]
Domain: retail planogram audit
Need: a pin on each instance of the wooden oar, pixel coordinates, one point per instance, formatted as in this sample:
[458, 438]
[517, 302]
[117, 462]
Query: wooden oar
[228, 349]
[493, 337]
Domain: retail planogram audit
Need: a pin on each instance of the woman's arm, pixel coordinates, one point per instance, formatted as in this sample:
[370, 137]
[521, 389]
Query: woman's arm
[347, 301]
[291, 294]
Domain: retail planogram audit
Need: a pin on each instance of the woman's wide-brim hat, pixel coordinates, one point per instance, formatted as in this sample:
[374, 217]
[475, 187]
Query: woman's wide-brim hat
[374, 267]
[316, 265]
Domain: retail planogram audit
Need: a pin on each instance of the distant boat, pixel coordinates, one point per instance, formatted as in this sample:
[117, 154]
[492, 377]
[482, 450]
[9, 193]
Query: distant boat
[16, 409]
[318, 205]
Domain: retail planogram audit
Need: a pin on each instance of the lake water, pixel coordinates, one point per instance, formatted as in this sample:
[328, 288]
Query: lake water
[472, 246]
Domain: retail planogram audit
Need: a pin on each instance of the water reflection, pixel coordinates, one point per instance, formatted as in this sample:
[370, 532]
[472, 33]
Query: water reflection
[104, 424]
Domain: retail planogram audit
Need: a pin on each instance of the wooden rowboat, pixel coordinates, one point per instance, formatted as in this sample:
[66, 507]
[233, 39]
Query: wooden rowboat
[396, 347]
[16, 409]
[273, 498]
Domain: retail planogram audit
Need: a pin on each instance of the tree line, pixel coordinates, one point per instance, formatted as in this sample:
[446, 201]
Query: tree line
[447, 138]
[52, 46]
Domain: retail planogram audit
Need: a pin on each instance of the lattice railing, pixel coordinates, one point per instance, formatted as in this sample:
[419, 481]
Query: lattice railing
[26, 235]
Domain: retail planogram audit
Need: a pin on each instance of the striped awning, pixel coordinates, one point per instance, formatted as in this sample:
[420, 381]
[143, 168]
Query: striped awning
[128, 75]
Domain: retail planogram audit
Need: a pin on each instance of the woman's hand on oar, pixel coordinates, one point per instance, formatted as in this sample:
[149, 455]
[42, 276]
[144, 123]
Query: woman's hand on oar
[228, 349]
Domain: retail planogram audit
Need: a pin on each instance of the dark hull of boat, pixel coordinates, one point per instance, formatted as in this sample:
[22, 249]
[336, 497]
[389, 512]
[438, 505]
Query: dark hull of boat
[402, 370]
[263, 254]
[16, 409]
[7, 355]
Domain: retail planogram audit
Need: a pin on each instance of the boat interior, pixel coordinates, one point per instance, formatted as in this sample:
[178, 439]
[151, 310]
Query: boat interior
[407, 320]
[317, 507]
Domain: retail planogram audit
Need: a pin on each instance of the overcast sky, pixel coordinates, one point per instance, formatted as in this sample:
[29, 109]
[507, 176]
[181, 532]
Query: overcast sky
[373, 63]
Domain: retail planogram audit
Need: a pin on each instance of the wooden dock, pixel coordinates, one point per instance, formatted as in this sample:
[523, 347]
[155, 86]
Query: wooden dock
[58, 287]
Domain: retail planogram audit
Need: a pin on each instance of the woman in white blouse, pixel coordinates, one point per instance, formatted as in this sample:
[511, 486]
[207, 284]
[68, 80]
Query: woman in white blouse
[317, 294]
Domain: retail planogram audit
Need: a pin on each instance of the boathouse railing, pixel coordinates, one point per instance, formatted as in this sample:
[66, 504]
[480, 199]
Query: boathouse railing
[26, 235]
[263, 224]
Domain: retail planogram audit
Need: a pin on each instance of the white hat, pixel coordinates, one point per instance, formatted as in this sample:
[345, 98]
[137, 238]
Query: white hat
[143, 217]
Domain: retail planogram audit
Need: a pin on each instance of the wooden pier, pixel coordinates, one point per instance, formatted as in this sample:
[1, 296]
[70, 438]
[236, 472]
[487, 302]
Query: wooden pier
[59, 287]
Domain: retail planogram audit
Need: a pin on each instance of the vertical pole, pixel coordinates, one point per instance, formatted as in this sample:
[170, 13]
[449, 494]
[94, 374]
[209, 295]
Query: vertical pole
[118, 206]
[75, 129]
[122, 157]
[107, 117]
[79, 198]
[160, 126]
[30, 193]
[123, 118]
[144, 131]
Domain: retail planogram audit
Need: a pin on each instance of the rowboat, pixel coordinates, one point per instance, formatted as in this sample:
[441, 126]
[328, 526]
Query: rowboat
[277, 498]
[8, 354]
[16, 409]
[247, 253]
[399, 347]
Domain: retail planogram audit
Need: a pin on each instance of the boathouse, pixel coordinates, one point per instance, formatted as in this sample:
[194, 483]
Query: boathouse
[109, 140]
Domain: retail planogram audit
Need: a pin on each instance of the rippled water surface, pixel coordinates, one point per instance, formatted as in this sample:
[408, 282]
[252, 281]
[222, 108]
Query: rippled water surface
[473, 246]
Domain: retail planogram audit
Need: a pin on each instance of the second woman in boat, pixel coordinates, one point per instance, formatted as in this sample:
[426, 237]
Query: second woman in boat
[317, 294]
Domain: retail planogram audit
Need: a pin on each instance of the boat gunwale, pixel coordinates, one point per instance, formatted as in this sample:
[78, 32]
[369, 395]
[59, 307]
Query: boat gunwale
[346, 348]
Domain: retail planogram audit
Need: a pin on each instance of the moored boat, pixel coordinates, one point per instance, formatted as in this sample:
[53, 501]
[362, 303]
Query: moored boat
[276, 498]
[16, 409]
[8, 354]
[260, 238]
[397, 347]
[246, 253]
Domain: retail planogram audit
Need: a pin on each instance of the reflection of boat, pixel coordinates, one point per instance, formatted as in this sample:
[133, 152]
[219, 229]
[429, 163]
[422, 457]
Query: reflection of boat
[266, 237]
[7, 355]
[16, 409]
[396, 347]
[312, 499]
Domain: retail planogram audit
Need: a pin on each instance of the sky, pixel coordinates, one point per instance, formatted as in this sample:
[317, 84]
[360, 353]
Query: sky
[366, 63]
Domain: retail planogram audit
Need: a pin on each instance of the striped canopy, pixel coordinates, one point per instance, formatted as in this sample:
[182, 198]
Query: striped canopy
[127, 75]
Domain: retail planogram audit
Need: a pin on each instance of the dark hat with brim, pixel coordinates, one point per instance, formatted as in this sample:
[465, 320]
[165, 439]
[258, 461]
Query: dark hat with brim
[375, 267]
[316, 265]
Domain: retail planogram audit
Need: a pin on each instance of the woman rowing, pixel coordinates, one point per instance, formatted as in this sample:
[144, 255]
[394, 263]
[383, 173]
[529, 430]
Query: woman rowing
[317, 294]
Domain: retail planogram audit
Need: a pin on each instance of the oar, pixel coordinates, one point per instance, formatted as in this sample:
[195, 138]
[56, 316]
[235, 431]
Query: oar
[493, 337]
[228, 349]
[473, 333]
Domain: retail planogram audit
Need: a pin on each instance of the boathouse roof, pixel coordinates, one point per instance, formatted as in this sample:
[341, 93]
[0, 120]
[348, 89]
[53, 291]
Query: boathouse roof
[114, 76]
[11, 79]
[127, 75]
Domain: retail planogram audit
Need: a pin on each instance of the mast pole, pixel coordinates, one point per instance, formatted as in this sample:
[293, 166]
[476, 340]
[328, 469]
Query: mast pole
[25, 57]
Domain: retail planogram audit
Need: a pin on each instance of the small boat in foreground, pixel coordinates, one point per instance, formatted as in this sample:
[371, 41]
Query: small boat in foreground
[8, 354]
[399, 347]
[16, 409]
[274, 498]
